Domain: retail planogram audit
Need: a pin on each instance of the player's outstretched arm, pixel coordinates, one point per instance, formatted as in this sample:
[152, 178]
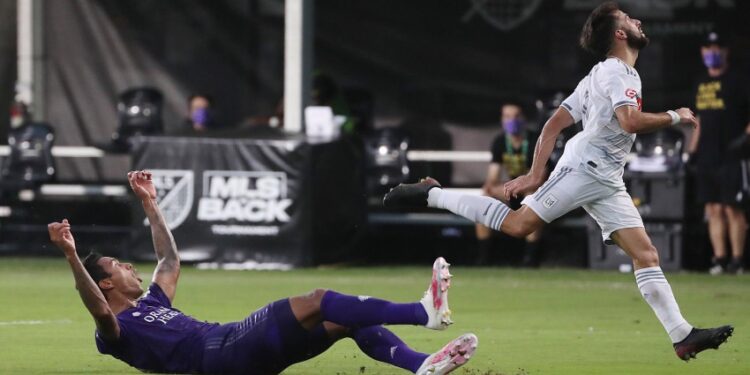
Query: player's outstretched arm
[493, 182]
[167, 270]
[634, 121]
[92, 297]
[529, 182]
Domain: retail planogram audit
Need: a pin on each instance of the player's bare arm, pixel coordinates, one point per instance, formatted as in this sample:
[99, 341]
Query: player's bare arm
[529, 182]
[696, 136]
[91, 295]
[634, 121]
[167, 270]
[493, 184]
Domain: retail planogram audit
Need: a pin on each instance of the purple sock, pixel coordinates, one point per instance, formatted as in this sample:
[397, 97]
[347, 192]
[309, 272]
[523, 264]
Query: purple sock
[362, 311]
[383, 345]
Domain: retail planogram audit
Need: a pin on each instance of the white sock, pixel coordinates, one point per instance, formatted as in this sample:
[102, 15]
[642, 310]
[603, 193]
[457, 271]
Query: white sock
[657, 292]
[479, 209]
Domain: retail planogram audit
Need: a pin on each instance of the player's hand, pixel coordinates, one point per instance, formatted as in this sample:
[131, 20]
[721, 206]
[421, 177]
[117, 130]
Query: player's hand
[496, 191]
[60, 235]
[522, 185]
[687, 117]
[142, 185]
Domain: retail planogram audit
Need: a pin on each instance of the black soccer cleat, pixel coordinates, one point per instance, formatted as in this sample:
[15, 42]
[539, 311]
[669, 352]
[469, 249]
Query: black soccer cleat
[410, 195]
[701, 339]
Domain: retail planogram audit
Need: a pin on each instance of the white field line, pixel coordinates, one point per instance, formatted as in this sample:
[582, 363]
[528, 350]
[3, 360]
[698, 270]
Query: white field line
[34, 322]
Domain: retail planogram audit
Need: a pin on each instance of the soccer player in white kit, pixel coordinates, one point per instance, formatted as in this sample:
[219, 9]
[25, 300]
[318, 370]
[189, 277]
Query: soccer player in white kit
[589, 174]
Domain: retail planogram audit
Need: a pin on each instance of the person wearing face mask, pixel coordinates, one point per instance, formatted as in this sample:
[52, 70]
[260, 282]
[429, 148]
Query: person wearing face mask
[722, 101]
[512, 154]
[200, 114]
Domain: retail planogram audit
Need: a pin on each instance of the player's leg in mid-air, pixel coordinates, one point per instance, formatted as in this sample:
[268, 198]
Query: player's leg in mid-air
[484, 210]
[327, 316]
[611, 207]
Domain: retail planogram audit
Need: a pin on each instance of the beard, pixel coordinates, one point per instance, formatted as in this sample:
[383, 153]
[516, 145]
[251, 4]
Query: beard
[637, 41]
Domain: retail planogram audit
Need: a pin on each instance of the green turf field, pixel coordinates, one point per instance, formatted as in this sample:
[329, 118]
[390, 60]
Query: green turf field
[528, 322]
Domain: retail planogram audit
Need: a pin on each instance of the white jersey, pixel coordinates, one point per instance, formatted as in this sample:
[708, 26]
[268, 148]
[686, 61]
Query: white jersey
[602, 147]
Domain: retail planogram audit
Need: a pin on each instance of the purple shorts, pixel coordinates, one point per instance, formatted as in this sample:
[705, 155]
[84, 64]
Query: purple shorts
[266, 342]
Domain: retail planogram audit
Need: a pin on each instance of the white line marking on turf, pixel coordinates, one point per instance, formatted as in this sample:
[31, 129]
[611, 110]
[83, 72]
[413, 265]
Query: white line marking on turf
[34, 322]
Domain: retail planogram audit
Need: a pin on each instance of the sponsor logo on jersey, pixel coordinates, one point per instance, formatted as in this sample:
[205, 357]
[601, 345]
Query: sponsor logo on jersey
[549, 201]
[633, 94]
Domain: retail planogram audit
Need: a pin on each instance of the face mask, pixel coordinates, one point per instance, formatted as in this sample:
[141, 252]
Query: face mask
[513, 127]
[712, 59]
[200, 116]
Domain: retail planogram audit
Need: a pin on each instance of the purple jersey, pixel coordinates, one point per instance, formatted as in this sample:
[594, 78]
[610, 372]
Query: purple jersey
[158, 338]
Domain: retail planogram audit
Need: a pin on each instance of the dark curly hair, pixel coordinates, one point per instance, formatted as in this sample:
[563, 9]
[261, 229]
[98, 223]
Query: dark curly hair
[598, 31]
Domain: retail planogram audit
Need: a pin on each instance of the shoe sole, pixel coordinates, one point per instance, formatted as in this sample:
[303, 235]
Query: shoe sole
[441, 282]
[462, 350]
[389, 201]
[718, 338]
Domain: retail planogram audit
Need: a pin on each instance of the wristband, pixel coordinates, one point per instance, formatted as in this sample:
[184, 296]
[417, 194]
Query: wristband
[675, 117]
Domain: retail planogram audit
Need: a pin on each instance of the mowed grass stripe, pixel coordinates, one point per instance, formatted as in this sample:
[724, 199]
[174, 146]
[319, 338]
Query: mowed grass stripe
[529, 322]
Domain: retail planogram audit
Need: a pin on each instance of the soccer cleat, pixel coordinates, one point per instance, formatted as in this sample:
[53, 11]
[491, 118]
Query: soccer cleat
[735, 267]
[718, 266]
[410, 195]
[435, 300]
[701, 339]
[450, 357]
[716, 269]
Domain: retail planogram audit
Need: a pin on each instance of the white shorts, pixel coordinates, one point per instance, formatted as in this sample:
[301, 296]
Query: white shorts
[569, 188]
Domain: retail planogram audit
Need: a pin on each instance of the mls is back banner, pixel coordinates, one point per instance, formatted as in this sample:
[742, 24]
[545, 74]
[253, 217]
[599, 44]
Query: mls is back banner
[232, 200]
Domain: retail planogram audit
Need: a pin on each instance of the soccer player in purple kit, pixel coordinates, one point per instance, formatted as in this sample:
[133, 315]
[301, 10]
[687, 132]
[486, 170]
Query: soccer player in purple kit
[146, 332]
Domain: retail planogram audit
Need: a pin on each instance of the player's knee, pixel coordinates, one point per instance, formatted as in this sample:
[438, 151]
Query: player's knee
[519, 228]
[714, 211]
[315, 297]
[734, 213]
[648, 257]
[317, 294]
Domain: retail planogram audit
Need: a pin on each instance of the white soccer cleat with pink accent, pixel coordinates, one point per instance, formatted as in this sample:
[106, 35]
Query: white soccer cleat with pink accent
[451, 356]
[435, 300]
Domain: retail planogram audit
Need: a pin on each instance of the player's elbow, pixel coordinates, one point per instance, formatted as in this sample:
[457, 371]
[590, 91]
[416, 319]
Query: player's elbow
[169, 264]
[629, 125]
[101, 313]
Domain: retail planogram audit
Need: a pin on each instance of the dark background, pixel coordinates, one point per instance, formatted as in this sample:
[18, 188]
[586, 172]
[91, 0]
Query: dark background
[432, 58]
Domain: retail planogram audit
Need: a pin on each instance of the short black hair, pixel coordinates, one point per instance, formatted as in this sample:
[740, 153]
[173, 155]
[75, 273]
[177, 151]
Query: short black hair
[598, 31]
[92, 266]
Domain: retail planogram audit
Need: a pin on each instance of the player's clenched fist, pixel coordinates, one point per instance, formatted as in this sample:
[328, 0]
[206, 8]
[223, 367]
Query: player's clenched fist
[687, 117]
[60, 235]
[142, 185]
